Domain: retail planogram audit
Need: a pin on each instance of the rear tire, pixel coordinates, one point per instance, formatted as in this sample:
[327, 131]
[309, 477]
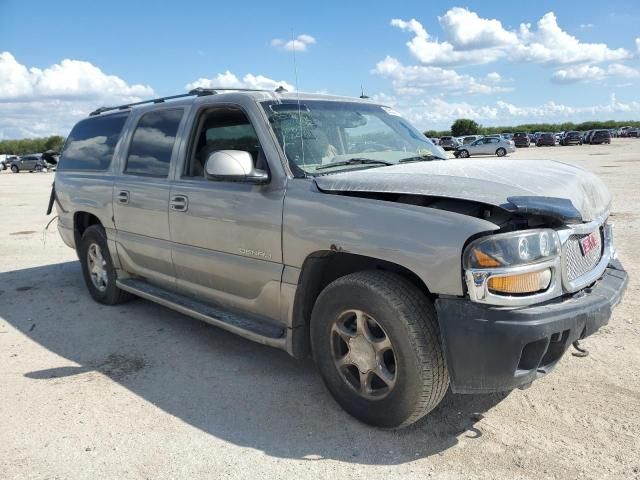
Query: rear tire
[97, 267]
[501, 152]
[378, 326]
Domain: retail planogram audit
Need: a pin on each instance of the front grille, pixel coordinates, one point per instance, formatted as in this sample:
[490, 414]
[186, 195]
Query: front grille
[578, 264]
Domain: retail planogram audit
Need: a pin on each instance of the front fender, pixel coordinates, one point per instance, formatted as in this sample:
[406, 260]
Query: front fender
[424, 240]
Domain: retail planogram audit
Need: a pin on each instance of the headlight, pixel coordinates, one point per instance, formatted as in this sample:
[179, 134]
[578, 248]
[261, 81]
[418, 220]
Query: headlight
[511, 264]
[512, 249]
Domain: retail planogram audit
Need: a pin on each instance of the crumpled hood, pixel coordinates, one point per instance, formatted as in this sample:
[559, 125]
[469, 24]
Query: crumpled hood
[545, 187]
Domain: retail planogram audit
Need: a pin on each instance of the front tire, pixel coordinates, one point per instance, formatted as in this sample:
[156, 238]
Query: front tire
[14, 169]
[464, 154]
[97, 267]
[376, 341]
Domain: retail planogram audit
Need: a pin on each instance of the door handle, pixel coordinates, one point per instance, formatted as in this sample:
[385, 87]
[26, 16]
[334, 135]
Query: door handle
[123, 197]
[179, 203]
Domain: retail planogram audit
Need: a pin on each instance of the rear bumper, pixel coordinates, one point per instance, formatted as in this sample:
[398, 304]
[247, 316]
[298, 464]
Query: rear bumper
[491, 349]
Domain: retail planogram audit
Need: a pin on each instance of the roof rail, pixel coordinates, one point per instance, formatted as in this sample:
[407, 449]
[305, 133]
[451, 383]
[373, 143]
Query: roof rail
[199, 91]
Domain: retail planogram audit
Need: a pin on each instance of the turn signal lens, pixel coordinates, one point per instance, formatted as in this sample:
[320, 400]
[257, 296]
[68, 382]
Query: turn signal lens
[523, 283]
[484, 260]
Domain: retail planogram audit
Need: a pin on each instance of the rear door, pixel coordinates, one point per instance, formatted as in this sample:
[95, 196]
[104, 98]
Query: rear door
[141, 195]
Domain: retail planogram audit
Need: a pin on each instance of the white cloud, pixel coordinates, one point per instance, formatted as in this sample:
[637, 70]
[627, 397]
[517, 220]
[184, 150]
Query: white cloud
[420, 80]
[467, 31]
[432, 52]
[71, 79]
[549, 44]
[584, 26]
[471, 39]
[590, 73]
[298, 44]
[230, 80]
[37, 102]
[437, 113]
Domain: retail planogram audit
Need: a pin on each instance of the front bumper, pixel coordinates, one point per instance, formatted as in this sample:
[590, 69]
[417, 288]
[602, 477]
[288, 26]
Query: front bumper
[491, 349]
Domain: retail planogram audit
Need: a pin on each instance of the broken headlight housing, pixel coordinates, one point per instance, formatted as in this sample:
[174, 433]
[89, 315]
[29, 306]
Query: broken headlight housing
[516, 268]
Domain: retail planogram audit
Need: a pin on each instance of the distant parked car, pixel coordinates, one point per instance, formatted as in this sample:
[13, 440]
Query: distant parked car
[486, 146]
[571, 138]
[590, 136]
[633, 132]
[448, 143]
[546, 139]
[600, 136]
[469, 139]
[6, 162]
[507, 135]
[30, 163]
[521, 139]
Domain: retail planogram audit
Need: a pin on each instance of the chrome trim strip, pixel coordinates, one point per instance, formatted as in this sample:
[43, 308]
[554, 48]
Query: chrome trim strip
[591, 276]
[477, 281]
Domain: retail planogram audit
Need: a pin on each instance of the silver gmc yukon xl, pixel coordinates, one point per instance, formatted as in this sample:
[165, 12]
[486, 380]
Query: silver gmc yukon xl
[331, 227]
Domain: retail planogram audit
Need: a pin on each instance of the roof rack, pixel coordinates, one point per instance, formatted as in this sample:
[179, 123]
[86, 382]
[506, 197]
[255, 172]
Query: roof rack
[200, 92]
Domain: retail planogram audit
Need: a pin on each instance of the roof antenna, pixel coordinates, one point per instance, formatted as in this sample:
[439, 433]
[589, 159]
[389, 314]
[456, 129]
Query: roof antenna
[295, 71]
[362, 95]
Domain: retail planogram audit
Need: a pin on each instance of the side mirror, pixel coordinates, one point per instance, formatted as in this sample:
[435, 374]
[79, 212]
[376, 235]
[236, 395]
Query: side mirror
[233, 166]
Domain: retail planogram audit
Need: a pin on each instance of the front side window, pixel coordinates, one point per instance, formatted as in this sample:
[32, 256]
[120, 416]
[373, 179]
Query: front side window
[91, 143]
[152, 143]
[223, 128]
[320, 136]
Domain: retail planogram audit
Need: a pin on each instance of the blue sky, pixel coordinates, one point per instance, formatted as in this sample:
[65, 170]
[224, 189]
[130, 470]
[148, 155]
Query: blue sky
[574, 61]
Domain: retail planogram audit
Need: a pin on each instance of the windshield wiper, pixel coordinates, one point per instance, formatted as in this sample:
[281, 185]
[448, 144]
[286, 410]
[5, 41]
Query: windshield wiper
[354, 161]
[421, 158]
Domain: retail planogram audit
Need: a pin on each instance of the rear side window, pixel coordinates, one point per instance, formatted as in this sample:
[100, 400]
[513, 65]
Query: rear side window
[91, 143]
[152, 143]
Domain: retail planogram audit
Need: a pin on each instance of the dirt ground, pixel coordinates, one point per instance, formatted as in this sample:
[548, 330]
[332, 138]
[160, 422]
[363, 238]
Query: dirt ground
[138, 391]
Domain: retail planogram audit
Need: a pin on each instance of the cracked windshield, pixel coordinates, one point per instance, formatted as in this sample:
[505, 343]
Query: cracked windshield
[320, 137]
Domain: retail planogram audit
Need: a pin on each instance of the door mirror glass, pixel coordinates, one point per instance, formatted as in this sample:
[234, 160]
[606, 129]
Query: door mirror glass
[233, 166]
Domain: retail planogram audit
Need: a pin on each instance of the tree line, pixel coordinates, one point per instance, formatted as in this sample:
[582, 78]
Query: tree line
[31, 145]
[465, 126]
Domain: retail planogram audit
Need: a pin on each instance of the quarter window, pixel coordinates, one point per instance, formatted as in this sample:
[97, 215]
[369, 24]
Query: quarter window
[152, 143]
[91, 143]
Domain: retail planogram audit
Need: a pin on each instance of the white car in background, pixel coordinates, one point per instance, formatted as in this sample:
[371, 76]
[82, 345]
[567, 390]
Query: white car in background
[486, 146]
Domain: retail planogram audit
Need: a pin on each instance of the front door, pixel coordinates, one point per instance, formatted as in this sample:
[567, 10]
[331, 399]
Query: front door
[227, 245]
[141, 197]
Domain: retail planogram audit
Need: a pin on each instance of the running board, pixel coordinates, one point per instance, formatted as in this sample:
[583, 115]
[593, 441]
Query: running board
[258, 329]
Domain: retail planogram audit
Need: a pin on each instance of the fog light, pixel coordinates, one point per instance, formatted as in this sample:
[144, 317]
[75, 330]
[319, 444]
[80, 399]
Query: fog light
[522, 283]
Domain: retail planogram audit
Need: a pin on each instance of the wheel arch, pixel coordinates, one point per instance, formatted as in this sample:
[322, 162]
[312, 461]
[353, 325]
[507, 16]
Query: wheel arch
[81, 221]
[319, 269]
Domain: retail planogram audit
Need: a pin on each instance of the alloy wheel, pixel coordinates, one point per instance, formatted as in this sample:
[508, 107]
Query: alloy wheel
[97, 266]
[363, 354]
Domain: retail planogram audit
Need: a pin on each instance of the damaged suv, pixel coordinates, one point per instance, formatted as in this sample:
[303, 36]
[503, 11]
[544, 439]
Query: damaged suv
[331, 227]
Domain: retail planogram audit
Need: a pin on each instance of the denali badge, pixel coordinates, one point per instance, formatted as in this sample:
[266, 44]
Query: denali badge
[255, 253]
[588, 243]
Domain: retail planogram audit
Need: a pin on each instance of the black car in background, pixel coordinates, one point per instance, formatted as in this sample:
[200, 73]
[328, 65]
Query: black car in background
[546, 139]
[600, 136]
[571, 138]
[521, 139]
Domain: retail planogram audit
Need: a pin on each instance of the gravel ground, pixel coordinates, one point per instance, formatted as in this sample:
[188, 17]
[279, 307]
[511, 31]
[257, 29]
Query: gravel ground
[138, 391]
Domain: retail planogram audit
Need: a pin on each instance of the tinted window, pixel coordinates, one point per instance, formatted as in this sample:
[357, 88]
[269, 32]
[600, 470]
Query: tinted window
[152, 143]
[91, 143]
